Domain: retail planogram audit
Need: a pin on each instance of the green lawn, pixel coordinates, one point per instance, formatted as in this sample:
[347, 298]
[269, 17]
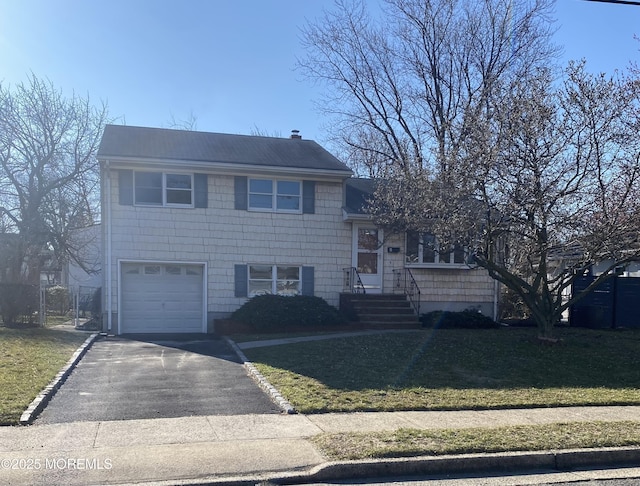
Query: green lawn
[456, 369]
[412, 442]
[29, 360]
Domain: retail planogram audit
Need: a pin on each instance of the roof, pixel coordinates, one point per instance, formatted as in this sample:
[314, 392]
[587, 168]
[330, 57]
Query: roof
[357, 194]
[161, 144]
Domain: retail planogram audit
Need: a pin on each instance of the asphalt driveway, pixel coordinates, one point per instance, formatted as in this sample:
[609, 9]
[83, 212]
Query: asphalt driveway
[156, 377]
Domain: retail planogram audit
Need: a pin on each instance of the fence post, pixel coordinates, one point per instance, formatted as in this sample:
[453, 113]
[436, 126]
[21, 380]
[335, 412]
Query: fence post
[42, 315]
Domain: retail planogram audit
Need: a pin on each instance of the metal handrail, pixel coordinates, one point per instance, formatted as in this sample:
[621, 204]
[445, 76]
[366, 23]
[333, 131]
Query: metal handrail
[352, 282]
[406, 283]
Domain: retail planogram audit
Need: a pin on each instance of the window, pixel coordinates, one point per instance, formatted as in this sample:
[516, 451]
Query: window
[275, 195]
[173, 270]
[163, 189]
[152, 270]
[424, 249]
[273, 279]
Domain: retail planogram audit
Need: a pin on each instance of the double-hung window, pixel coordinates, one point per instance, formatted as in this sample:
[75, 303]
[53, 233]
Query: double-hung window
[275, 195]
[424, 249]
[274, 279]
[163, 189]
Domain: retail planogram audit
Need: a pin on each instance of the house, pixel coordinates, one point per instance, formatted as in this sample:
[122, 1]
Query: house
[195, 223]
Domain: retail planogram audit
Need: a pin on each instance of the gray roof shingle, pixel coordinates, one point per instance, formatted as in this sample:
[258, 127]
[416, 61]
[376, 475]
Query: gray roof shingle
[127, 142]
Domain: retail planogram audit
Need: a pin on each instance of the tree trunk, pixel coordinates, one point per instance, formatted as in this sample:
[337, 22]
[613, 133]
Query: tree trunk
[546, 323]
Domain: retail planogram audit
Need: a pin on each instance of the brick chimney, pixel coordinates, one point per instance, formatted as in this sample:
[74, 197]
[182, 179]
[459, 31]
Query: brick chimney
[295, 134]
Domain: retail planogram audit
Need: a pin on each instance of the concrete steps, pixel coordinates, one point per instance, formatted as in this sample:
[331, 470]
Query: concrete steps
[379, 310]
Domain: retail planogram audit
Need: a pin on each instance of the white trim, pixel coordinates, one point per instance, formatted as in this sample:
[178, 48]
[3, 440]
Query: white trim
[372, 282]
[352, 217]
[230, 168]
[205, 279]
[448, 266]
[163, 189]
[108, 263]
[274, 195]
[274, 276]
[435, 264]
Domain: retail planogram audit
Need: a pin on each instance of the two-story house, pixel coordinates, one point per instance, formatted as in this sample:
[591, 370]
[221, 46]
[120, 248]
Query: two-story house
[195, 223]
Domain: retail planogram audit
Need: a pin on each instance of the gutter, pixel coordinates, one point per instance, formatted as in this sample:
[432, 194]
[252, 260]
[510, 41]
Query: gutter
[228, 168]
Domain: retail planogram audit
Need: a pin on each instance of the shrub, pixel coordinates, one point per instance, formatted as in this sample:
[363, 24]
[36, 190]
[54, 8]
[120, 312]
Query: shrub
[96, 304]
[274, 312]
[18, 303]
[58, 299]
[457, 320]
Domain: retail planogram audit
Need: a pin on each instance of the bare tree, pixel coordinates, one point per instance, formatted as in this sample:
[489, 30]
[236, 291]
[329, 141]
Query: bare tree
[256, 131]
[190, 123]
[48, 170]
[402, 83]
[557, 171]
[552, 188]
[480, 139]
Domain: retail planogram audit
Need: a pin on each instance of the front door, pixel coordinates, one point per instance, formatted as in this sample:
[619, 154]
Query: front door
[367, 256]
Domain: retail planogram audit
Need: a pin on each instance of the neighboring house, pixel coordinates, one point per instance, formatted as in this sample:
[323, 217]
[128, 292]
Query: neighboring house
[195, 223]
[84, 275]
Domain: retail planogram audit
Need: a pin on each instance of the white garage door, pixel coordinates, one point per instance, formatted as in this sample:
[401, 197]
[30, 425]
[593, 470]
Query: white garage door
[161, 297]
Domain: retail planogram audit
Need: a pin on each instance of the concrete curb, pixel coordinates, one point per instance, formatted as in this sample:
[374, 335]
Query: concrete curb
[38, 404]
[259, 378]
[494, 463]
[472, 463]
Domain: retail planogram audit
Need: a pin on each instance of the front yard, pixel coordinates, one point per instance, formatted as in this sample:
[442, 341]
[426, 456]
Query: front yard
[29, 360]
[455, 369]
[461, 369]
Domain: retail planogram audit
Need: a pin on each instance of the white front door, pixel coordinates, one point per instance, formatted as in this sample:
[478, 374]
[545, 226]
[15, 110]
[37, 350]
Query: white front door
[367, 256]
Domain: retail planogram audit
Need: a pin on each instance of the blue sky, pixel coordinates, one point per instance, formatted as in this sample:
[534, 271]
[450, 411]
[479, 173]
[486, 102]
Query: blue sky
[229, 63]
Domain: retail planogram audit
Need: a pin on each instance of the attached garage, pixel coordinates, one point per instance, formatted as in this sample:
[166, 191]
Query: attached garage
[162, 298]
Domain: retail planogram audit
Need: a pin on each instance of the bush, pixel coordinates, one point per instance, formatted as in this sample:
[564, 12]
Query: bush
[275, 312]
[18, 303]
[457, 320]
[96, 304]
[58, 299]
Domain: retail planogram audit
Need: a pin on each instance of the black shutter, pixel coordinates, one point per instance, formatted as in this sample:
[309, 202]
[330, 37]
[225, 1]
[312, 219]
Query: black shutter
[308, 197]
[200, 189]
[308, 286]
[241, 283]
[241, 193]
[125, 187]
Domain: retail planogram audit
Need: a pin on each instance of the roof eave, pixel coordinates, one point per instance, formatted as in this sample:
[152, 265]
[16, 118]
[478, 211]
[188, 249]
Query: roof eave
[349, 217]
[222, 167]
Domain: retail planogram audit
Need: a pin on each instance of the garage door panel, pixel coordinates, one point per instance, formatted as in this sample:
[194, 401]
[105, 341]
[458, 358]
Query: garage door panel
[161, 298]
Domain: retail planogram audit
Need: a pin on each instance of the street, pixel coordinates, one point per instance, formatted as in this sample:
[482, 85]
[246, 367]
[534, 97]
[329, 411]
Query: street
[596, 477]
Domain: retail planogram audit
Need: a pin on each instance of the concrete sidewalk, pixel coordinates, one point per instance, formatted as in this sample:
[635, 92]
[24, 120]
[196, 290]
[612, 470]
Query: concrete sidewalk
[246, 449]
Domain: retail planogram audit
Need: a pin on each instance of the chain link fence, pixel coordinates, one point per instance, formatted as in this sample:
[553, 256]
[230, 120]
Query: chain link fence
[33, 305]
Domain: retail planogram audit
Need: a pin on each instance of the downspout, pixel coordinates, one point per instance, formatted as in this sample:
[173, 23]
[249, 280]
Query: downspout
[108, 247]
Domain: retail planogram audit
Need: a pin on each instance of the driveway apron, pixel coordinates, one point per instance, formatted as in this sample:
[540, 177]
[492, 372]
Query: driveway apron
[156, 377]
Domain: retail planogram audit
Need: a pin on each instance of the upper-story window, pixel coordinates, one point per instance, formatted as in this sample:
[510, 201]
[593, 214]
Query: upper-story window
[163, 189]
[424, 249]
[275, 195]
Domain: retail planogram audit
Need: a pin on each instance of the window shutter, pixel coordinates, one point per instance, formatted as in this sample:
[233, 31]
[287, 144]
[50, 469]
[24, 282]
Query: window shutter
[125, 187]
[200, 190]
[241, 282]
[240, 192]
[308, 287]
[308, 197]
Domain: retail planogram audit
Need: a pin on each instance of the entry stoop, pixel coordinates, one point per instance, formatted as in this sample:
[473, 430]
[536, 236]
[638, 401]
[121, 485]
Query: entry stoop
[379, 311]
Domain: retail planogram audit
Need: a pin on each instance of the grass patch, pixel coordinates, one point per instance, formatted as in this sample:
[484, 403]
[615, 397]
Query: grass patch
[455, 369]
[29, 360]
[415, 442]
[245, 338]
